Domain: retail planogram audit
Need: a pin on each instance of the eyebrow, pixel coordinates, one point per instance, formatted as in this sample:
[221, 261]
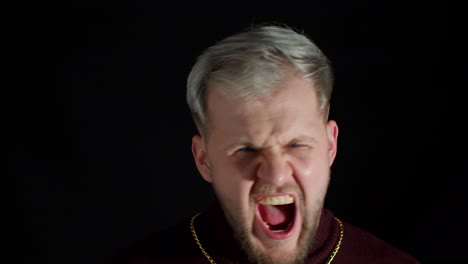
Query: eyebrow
[304, 138]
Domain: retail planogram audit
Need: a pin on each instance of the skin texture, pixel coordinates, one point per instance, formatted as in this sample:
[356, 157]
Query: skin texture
[268, 145]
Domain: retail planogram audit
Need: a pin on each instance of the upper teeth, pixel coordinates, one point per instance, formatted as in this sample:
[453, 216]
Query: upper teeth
[277, 200]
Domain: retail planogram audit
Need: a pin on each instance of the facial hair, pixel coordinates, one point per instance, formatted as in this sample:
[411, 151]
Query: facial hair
[243, 234]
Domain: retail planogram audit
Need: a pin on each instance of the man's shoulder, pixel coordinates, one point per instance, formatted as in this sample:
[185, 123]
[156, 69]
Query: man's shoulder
[170, 245]
[360, 246]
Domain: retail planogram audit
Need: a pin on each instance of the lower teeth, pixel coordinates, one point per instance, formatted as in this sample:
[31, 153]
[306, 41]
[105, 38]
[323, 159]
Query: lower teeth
[278, 231]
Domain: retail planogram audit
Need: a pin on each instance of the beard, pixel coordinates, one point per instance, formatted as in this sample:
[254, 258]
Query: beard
[255, 254]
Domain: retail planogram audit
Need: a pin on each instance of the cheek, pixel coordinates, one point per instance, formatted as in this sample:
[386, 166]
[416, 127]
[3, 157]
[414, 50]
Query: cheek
[312, 175]
[232, 183]
[312, 164]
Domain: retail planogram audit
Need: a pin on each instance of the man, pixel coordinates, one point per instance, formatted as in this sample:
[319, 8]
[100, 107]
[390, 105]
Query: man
[260, 100]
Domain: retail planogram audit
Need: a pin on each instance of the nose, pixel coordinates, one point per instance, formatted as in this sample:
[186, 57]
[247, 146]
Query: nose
[274, 169]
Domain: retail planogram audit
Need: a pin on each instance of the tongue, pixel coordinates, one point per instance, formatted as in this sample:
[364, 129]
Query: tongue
[276, 214]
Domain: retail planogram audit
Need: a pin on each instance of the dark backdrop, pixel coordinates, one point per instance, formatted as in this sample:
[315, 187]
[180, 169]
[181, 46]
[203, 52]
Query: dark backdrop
[101, 132]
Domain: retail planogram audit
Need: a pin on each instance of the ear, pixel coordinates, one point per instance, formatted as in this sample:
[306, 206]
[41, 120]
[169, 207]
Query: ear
[332, 134]
[199, 155]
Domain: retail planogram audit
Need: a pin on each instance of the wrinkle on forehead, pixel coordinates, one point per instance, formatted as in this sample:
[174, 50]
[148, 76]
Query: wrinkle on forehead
[290, 111]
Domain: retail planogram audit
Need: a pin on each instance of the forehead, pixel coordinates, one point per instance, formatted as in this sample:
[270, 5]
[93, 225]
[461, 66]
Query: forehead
[293, 103]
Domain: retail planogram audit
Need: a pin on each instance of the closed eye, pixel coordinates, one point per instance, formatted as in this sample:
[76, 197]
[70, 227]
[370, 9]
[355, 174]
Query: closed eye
[246, 149]
[299, 145]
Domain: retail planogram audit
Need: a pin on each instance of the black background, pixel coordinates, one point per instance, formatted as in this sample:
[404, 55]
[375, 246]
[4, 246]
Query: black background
[101, 132]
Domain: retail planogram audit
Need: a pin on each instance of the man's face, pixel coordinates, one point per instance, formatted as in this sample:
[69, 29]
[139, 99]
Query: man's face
[269, 161]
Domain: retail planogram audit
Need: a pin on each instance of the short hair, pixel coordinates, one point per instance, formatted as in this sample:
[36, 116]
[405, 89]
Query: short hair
[251, 62]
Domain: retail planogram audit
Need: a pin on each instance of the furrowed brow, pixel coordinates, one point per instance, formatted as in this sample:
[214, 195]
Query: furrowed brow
[304, 139]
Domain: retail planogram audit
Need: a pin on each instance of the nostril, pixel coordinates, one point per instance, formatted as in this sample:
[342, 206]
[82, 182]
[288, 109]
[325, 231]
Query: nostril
[275, 173]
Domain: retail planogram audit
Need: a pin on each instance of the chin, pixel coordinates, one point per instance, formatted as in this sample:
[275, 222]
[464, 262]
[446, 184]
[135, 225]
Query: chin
[289, 244]
[282, 253]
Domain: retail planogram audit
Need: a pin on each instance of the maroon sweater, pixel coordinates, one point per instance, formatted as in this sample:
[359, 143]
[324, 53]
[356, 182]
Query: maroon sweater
[176, 244]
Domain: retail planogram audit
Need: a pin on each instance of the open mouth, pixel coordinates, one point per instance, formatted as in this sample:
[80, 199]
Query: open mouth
[277, 215]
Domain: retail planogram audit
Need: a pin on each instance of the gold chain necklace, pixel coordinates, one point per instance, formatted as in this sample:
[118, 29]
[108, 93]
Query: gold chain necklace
[210, 259]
